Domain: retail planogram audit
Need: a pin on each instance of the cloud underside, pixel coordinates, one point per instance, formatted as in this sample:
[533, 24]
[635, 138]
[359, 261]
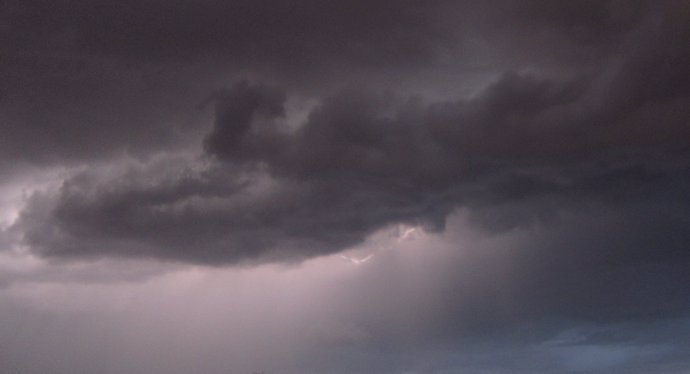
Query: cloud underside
[522, 151]
[581, 109]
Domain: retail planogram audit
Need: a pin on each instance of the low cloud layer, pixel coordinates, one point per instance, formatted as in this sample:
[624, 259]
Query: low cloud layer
[364, 161]
[539, 150]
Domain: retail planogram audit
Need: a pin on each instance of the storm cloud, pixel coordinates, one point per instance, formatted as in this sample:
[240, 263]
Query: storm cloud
[362, 162]
[539, 150]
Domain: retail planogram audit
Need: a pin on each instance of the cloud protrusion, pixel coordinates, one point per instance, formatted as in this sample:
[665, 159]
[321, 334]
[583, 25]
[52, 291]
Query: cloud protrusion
[244, 125]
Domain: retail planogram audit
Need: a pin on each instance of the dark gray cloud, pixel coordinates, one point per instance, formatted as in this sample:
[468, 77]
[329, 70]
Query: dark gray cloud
[125, 77]
[306, 34]
[363, 161]
[69, 109]
[252, 133]
[242, 31]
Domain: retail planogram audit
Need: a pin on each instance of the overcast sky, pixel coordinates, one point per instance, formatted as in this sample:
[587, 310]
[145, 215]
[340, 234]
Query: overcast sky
[308, 187]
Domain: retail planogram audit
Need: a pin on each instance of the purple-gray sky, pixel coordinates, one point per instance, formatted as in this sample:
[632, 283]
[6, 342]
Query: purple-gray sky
[190, 186]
